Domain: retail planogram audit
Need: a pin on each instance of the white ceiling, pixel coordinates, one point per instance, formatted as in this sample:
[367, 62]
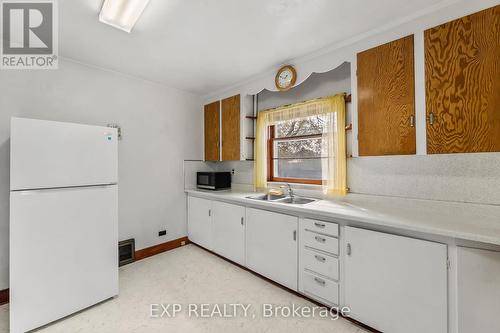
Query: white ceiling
[204, 45]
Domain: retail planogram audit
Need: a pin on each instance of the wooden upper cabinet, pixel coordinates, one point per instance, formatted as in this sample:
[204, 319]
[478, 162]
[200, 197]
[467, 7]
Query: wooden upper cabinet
[212, 130]
[462, 81]
[227, 113]
[386, 99]
[231, 128]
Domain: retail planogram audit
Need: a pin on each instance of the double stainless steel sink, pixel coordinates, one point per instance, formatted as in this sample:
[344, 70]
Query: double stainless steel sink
[295, 200]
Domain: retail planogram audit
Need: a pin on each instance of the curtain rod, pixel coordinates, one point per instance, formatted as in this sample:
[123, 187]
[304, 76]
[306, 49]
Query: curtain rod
[347, 99]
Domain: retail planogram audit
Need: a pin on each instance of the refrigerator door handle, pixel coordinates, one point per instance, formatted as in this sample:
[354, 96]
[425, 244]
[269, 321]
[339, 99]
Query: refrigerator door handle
[64, 188]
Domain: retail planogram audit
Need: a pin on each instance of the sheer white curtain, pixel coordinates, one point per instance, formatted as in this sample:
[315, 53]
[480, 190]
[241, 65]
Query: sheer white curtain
[333, 147]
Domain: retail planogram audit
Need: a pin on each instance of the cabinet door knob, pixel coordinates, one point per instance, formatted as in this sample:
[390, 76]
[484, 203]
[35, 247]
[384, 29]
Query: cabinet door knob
[349, 250]
[412, 121]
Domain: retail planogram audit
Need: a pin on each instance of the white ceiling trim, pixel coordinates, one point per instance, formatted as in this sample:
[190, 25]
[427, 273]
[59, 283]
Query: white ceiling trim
[126, 75]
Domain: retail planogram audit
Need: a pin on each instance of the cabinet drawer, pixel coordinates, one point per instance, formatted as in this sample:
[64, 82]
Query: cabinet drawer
[321, 263]
[326, 228]
[320, 287]
[321, 242]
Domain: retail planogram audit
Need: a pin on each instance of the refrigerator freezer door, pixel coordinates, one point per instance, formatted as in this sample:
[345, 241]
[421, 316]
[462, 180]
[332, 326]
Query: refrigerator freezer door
[48, 154]
[63, 252]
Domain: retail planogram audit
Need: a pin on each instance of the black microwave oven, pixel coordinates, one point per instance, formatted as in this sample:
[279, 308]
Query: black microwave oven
[213, 180]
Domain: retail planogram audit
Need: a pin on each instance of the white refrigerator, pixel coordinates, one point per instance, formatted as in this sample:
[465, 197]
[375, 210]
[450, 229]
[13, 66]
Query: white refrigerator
[63, 220]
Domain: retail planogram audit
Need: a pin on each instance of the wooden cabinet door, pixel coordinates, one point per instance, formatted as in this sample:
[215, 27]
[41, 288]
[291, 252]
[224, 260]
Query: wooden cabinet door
[271, 246]
[212, 131]
[462, 81]
[231, 128]
[390, 279]
[229, 231]
[200, 221]
[386, 99]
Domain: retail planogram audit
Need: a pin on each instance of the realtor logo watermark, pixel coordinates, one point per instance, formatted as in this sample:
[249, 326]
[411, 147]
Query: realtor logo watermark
[29, 34]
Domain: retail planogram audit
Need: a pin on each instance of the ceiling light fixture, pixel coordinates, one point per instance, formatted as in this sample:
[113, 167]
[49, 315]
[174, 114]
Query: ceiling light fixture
[122, 14]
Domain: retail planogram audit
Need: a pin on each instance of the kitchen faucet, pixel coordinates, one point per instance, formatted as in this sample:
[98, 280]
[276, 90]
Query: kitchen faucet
[290, 190]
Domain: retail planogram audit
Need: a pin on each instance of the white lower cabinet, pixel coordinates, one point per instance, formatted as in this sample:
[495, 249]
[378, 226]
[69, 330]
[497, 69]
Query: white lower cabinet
[389, 282]
[478, 286]
[200, 221]
[228, 231]
[394, 283]
[271, 246]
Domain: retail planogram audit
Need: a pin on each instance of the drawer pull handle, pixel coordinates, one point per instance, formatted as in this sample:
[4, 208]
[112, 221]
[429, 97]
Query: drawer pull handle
[320, 239]
[320, 281]
[320, 258]
[319, 225]
[349, 250]
[242, 221]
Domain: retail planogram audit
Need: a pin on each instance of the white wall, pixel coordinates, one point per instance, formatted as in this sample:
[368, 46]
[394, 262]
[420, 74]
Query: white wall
[451, 177]
[161, 127]
[317, 85]
[242, 177]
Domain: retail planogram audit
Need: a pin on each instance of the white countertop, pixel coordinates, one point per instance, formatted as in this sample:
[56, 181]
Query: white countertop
[471, 222]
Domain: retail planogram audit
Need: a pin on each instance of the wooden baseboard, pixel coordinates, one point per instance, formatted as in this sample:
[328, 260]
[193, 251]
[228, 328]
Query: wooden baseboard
[4, 296]
[151, 251]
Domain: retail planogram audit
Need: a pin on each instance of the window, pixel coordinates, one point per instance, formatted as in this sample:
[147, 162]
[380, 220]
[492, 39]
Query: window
[303, 143]
[294, 150]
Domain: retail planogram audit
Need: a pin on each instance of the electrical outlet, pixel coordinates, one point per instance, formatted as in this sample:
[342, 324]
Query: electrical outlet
[162, 233]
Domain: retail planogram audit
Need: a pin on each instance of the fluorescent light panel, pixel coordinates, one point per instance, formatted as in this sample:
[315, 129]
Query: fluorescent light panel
[122, 14]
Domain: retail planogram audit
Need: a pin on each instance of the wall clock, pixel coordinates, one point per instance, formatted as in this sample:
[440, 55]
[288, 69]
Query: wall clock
[285, 78]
